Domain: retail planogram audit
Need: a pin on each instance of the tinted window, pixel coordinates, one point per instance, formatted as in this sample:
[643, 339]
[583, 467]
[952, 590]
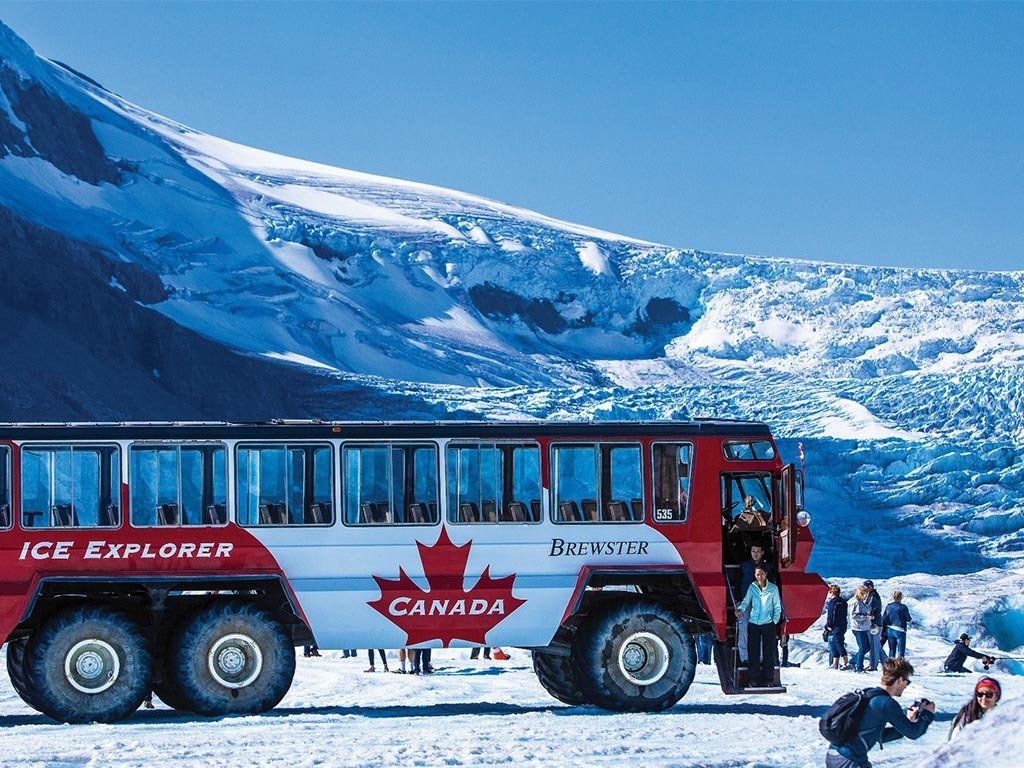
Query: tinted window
[390, 484]
[749, 450]
[593, 484]
[177, 485]
[70, 487]
[493, 483]
[284, 485]
[672, 481]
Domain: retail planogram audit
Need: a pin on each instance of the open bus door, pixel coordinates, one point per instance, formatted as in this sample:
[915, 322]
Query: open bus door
[787, 522]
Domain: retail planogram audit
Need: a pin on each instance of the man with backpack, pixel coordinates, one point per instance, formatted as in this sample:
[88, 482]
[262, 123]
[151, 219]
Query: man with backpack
[857, 721]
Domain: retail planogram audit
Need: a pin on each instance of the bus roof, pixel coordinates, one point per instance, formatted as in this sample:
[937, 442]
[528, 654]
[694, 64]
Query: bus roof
[315, 429]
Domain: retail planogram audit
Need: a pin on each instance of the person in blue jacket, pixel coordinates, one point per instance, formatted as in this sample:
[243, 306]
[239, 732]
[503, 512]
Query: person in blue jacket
[757, 557]
[763, 609]
[883, 719]
[895, 622]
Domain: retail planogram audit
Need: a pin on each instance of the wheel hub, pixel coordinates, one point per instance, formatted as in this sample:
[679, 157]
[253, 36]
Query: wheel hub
[235, 661]
[643, 658]
[92, 666]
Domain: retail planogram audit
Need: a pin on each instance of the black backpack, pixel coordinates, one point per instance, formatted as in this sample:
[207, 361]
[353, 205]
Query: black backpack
[839, 723]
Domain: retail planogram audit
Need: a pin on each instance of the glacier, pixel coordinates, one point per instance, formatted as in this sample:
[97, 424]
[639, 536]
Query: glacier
[151, 271]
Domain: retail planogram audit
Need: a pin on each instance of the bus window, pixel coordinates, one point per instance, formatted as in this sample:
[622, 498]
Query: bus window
[70, 487]
[390, 484]
[178, 485]
[575, 483]
[748, 450]
[621, 483]
[474, 483]
[672, 481]
[5, 487]
[524, 506]
[595, 486]
[493, 483]
[284, 485]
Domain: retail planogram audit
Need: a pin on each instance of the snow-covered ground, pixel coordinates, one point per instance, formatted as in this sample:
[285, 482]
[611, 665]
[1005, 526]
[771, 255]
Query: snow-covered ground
[479, 713]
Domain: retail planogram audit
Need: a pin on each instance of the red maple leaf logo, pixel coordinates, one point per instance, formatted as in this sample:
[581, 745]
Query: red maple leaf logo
[446, 611]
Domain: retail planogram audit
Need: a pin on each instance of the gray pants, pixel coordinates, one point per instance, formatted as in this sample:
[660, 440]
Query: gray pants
[834, 760]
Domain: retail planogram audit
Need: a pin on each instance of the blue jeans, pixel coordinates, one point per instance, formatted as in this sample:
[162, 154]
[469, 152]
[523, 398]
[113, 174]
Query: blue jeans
[877, 654]
[863, 638]
[704, 641]
[836, 647]
[897, 642]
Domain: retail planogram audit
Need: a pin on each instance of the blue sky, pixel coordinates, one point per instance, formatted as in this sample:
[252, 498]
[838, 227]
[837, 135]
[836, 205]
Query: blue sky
[878, 134]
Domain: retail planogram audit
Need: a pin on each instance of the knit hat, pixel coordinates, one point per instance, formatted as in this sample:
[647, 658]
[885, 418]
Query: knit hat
[869, 583]
[991, 684]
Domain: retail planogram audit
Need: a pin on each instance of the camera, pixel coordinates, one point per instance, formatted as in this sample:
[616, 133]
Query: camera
[920, 703]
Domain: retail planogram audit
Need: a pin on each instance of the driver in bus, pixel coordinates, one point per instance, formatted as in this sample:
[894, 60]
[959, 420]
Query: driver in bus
[751, 518]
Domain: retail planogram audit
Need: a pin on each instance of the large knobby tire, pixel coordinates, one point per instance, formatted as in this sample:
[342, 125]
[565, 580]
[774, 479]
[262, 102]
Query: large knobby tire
[558, 676]
[88, 664]
[16, 670]
[634, 656]
[231, 657]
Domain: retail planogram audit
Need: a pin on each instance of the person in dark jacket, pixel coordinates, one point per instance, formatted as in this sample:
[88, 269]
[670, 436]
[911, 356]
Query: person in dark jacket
[961, 650]
[877, 654]
[836, 623]
[895, 622]
[883, 719]
[747, 567]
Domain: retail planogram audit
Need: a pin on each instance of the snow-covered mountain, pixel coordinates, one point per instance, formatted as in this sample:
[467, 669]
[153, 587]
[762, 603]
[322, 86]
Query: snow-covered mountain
[351, 278]
[153, 271]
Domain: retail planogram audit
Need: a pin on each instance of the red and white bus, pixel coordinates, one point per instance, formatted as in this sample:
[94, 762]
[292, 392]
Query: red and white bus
[191, 558]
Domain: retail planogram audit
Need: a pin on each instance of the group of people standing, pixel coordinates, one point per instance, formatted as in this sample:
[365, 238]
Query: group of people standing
[872, 627]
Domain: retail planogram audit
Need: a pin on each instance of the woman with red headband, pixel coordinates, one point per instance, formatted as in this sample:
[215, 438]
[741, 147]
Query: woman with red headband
[986, 695]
